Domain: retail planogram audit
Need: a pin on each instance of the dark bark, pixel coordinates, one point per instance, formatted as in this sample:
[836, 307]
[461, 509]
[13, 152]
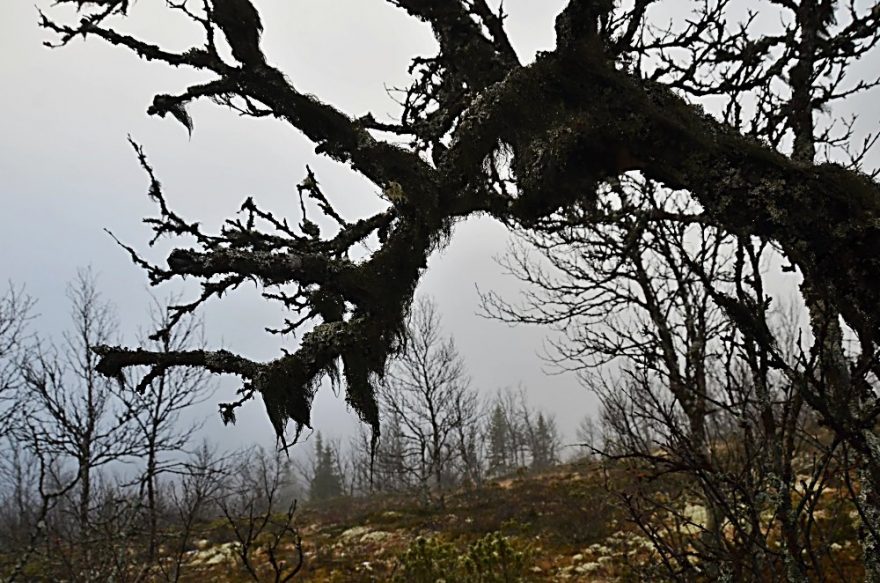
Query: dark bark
[573, 119]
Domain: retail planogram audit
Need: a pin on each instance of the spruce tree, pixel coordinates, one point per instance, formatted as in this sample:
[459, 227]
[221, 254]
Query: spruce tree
[499, 442]
[326, 482]
[544, 443]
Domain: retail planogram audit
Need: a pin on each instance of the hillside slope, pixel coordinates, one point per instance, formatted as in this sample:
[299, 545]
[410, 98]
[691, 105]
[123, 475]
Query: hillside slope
[563, 524]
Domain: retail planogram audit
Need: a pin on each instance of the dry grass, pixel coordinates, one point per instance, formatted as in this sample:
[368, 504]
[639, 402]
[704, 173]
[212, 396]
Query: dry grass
[566, 516]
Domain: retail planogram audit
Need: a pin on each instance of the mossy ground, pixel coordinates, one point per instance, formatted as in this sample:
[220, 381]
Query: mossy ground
[565, 520]
[559, 515]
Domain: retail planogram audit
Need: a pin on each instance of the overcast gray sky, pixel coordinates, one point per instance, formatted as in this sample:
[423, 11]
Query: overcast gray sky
[66, 173]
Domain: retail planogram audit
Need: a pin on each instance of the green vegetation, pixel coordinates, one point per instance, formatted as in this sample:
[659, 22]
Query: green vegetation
[491, 559]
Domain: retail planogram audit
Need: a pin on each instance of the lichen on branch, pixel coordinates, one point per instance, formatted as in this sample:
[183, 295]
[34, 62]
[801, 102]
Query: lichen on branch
[487, 134]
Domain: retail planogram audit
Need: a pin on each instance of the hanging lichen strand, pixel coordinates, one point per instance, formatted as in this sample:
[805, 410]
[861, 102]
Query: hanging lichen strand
[486, 134]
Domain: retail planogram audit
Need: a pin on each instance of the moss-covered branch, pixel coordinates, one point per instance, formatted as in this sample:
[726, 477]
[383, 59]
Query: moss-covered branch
[576, 117]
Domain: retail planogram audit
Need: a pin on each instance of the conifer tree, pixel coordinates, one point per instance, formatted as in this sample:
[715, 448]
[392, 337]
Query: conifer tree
[326, 482]
[544, 440]
[499, 445]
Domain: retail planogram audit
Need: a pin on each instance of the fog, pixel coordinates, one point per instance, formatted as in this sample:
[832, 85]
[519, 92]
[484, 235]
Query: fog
[67, 173]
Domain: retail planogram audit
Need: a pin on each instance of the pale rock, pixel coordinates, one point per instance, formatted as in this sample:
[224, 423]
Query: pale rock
[374, 536]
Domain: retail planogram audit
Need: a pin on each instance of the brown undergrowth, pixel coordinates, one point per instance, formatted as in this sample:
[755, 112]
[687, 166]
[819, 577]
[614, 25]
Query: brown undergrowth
[565, 522]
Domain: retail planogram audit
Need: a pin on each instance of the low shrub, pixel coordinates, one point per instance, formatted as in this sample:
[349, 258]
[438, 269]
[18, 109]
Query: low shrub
[491, 559]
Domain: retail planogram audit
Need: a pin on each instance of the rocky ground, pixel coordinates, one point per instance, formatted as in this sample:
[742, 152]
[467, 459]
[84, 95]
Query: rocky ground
[562, 525]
